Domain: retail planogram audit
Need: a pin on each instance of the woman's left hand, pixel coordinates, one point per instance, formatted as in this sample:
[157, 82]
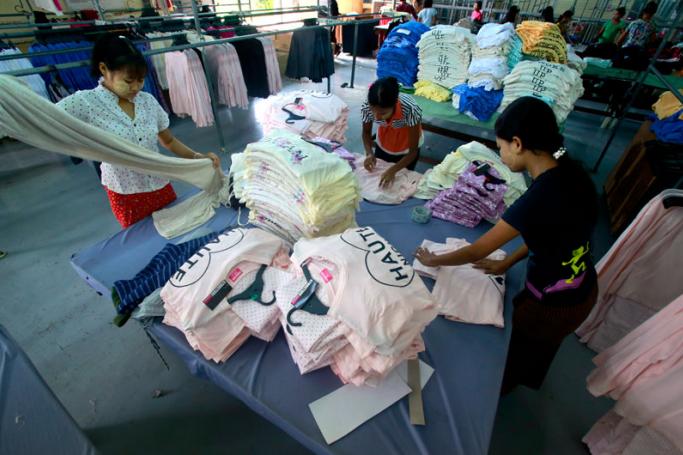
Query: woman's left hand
[387, 178]
[426, 257]
[212, 156]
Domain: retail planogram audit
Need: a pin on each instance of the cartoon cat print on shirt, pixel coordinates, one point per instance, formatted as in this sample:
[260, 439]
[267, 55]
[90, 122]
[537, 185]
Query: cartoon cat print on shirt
[383, 262]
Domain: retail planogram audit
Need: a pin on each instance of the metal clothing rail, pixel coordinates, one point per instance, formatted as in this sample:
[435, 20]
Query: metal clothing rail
[639, 85]
[81, 49]
[123, 21]
[201, 44]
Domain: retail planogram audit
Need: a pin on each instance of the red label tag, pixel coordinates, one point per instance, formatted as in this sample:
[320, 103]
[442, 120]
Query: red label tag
[326, 275]
[235, 274]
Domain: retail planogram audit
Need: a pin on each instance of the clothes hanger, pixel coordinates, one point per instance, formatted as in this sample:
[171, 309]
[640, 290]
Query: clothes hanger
[306, 301]
[255, 291]
[674, 196]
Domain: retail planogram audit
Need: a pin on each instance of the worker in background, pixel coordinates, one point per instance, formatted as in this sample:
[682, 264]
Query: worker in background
[555, 217]
[548, 14]
[563, 23]
[399, 128]
[640, 32]
[119, 106]
[477, 14]
[428, 15]
[405, 7]
[511, 15]
[612, 28]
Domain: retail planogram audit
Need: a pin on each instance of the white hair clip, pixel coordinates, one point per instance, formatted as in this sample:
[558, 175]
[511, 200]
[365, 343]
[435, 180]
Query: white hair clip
[560, 152]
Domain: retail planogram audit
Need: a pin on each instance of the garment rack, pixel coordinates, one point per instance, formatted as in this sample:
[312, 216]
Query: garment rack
[214, 105]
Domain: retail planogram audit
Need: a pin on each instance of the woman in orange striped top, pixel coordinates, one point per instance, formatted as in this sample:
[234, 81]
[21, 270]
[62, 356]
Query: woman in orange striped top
[399, 128]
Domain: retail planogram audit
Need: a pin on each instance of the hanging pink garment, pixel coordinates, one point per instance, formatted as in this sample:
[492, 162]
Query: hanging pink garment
[224, 67]
[272, 65]
[187, 87]
[634, 277]
[644, 373]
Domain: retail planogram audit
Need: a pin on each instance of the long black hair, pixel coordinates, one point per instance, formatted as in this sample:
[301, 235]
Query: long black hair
[533, 122]
[383, 92]
[117, 53]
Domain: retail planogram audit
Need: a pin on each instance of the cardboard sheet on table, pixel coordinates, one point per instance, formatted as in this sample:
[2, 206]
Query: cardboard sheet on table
[342, 411]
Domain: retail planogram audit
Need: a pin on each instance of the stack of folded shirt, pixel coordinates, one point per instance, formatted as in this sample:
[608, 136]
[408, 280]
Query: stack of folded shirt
[476, 102]
[310, 114]
[404, 184]
[296, 189]
[356, 305]
[444, 55]
[558, 85]
[476, 195]
[463, 293]
[444, 175]
[225, 292]
[543, 40]
[398, 54]
[432, 91]
[496, 51]
[336, 148]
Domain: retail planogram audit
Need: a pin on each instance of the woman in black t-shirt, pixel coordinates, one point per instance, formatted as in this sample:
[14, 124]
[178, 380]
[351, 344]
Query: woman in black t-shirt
[555, 217]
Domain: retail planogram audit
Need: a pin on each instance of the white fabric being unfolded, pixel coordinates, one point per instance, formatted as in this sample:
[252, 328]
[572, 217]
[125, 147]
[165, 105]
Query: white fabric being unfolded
[33, 120]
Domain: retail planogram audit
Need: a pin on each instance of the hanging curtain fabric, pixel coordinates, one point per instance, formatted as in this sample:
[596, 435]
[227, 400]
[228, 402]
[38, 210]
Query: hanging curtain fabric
[33, 120]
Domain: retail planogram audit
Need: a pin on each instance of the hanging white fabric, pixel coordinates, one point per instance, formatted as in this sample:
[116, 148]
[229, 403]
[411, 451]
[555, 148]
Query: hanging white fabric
[33, 120]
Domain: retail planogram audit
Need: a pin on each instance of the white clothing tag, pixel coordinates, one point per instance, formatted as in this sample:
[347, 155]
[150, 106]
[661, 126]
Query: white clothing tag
[403, 31]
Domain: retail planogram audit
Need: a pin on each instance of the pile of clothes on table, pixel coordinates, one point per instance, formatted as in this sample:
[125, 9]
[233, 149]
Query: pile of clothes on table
[444, 53]
[445, 174]
[354, 304]
[543, 40]
[668, 121]
[401, 189]
[463, 293]
[556, 84]
[225, 292]
[477, 194]
[295, 188]
[497, 49]
[350, 301]
[398, 56]
[496, 52]
[307, 113]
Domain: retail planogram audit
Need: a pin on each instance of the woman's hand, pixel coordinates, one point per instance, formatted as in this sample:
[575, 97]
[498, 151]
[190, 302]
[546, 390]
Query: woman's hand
[370, 162]
[212, 156]
[387, 178]
[426, 257]
[492, 266]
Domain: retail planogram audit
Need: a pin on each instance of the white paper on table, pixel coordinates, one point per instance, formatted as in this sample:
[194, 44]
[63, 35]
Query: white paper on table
[426, 373]
[342, 411]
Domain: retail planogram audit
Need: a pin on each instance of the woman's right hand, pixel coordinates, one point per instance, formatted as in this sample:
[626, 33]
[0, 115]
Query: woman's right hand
[370, 162]
[492, 266]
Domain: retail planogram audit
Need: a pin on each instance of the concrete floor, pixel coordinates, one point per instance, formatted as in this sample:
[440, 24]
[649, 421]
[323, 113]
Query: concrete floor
[107, 376]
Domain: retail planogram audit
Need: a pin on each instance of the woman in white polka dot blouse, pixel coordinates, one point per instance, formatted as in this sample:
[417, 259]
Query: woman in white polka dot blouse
[119, 105]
